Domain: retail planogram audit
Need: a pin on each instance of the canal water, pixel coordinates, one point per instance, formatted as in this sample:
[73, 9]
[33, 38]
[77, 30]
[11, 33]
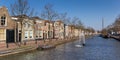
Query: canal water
[96, 48]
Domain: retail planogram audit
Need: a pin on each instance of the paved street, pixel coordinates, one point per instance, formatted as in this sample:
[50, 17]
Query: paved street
[96, 48]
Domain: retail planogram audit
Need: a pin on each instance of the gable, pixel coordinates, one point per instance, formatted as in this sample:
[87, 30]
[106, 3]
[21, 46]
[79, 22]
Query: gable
[9, 24]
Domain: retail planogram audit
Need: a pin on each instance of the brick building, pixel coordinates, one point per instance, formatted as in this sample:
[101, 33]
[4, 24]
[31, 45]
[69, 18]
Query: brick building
[24, 28]
[59, 29]
[7, 26]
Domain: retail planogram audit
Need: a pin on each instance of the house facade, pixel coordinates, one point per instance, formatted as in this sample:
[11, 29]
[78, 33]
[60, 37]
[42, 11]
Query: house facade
[72, 30]
[7, 26]
[48, 29]
[38, 28]
[24, 28]
[28, 29]
[44, 29]
[59, 29]
[76, 32]
[69, 31]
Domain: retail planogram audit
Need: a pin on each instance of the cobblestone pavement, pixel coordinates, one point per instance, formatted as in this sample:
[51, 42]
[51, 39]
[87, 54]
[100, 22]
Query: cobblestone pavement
[96, 48]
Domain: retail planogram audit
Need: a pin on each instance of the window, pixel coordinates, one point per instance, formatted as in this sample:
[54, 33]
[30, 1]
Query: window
[2, 34]
[3, 18]
[40, 34]
[36, 36]
[19, 31]
[37, 33]
[31, 34]
[45, 24]
[28, 25]
[49, 33]
[26, 34]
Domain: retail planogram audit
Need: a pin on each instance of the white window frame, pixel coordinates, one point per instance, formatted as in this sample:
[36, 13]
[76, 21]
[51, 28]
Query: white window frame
[40, 33]
[4, 19]
[30, 34]
[26, 34]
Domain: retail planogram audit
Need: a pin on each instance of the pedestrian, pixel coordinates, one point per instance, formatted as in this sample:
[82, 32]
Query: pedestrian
[82, 38]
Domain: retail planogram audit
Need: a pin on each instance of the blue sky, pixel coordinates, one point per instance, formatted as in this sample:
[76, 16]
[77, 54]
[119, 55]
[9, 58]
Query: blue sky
[90, 12]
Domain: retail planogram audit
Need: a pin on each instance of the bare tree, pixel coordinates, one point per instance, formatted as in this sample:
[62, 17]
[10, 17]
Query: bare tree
[64, 18]
[115, 26]
[90, 29]
[20, 7]
[33, 13]
[49, 13]
[74, 21]
[77, 23]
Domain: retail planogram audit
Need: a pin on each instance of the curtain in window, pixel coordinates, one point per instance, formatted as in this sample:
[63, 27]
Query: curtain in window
[26, 34]
[2, 34]
[31, 34]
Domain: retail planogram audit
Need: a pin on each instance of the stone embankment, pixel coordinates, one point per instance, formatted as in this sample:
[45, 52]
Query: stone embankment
[14, 48]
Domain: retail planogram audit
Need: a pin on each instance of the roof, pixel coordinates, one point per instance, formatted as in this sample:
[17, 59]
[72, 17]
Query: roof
[60, 21]
[20, 16]
[48, 21]
[36, 18]
[1, 7]
[71, 25]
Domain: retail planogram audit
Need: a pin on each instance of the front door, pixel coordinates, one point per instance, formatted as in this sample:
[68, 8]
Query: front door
[19, 37]
[10, 36]
[44, 35]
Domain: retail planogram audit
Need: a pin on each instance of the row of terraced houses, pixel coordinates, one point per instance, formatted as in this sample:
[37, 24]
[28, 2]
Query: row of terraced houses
[32, 28]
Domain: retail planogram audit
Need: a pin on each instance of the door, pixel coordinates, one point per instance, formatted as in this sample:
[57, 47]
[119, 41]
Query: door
[19, 37]
[44, 35]
[10, 36]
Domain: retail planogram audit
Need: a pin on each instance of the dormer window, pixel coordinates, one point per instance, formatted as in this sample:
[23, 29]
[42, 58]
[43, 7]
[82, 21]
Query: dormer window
[3, 18]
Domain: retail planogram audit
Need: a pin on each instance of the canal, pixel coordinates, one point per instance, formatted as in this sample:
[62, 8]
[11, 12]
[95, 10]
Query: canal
[96, 48]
